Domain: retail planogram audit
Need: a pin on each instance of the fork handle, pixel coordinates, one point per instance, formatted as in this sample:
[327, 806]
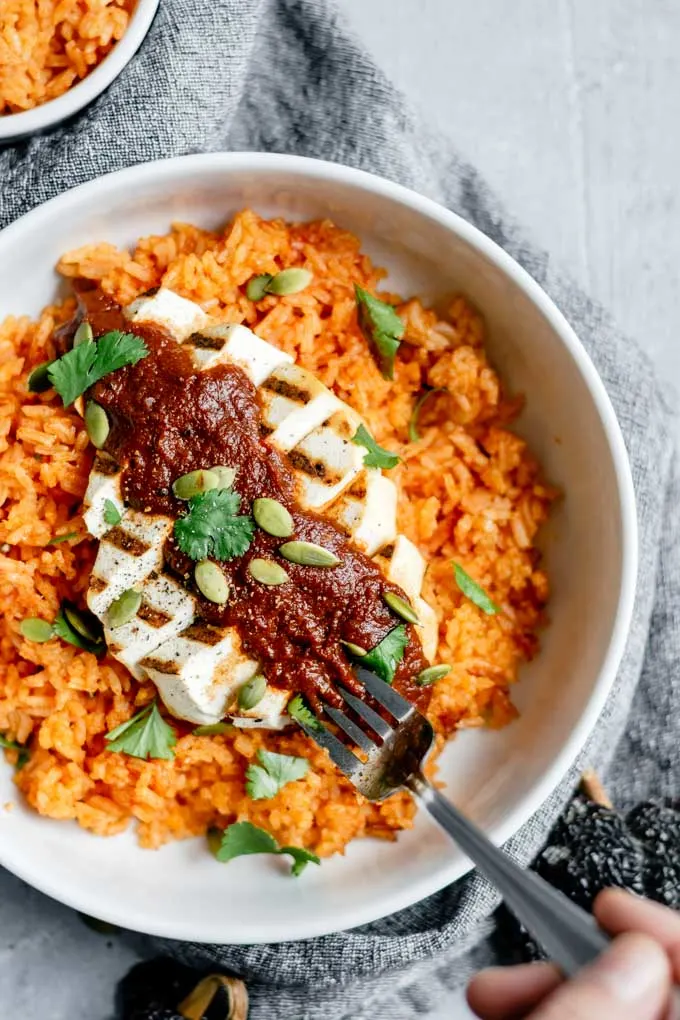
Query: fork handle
[568, 934]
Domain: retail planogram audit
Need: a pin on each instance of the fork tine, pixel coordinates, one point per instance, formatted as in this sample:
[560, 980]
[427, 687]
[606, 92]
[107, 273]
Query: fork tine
[341, 756]
[365, 711]
[353, 731]
[385, 695]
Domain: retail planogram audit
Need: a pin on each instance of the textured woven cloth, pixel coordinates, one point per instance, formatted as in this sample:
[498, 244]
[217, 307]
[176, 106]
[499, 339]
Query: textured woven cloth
[287, 76]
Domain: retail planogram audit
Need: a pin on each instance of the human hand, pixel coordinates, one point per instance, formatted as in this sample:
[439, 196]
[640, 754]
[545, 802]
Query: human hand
[632, 980]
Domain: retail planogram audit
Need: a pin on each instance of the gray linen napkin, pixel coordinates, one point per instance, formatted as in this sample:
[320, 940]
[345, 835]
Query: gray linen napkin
[287, 76]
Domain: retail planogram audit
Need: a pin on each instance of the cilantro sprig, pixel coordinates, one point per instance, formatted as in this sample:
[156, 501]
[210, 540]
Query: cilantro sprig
[275, 771]
[384, 659]
[213, 528]
[146, 735]
[474, 592]
[299, 710]
[86, 364]
[243, 838]
[377, 456]
[382, 328]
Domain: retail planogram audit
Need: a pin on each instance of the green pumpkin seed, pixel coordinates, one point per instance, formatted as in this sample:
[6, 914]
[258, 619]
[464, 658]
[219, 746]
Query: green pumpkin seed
[124, 608]
[35, 629]
[213, 729]
[432, 674]
[355, 649]
[307, 554]
[83, 335]
[39, 380]
[289, 281]
[257, 286]
[96, 423]
[88, 629]
[272, 517]
[252, 693]
[225, 475]
[267, 571]
[195, 482]
[401, 607]
[211, 582]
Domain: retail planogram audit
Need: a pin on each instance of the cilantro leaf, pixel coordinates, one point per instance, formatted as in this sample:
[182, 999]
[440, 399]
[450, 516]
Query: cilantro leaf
[299, 710]
[413, 433]
[212, 527]
[301, 858]
[146, 735]
[63, 629]
[243, 838]
[474, 591]
[84, 365]
[377, 456]
[264, 781]
[111, 513]
[386, 656]
[382, 328]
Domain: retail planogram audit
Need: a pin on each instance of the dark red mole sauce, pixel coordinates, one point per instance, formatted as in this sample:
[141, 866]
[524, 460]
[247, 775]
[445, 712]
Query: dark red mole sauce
[166, 419]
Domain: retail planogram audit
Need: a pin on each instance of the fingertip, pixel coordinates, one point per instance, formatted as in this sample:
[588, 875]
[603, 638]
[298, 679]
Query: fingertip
[500, 992]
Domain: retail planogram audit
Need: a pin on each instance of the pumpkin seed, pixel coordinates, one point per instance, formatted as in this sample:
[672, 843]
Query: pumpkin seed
[39, 380]
[196, 481]
[96, 423]
[211, 582]
[257, 286]
[401, 607]
[432, 674]
[355, 649]
[272, 517]
[213, 729]
[225, 475]
[267, 571]
[289, 281]
[124, 608]
[83, 335]
[89, 629]
[252, 692]
[35, 629]
[307, 554]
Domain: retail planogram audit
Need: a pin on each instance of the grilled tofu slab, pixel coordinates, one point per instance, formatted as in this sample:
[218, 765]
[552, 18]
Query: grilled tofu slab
[198, 668]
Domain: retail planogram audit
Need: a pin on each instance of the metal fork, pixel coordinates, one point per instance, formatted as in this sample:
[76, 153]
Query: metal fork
[394, 757]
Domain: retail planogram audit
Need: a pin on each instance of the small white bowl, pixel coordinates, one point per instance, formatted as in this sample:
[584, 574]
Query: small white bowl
[14, 126]
[499, 778]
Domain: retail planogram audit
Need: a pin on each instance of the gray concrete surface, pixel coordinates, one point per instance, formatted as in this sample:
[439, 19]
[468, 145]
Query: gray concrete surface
[571, 110]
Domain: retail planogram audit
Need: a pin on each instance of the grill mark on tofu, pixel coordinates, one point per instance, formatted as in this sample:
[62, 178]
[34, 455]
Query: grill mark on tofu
[203, 633]
[154, 617]
[316, 469]
[265, 430]
[286, 389]
[98, 585]
[127, 543]
[168, 666]
[207, 343]
[104, 464]
[114, 648]
[358, 489]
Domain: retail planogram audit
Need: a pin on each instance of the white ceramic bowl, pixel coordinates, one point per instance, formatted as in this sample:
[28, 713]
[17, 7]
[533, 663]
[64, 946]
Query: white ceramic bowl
[500, 778]
[14, 126]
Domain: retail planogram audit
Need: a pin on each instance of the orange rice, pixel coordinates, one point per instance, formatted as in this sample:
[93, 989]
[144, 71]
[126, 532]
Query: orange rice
[46, 46]
[469, 490]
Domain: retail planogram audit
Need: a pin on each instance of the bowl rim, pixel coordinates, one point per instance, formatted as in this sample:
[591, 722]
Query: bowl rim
[224, 162]
[40, 118]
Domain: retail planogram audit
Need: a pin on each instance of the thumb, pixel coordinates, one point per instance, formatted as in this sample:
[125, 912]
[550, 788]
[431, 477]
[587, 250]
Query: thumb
[630, 981]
